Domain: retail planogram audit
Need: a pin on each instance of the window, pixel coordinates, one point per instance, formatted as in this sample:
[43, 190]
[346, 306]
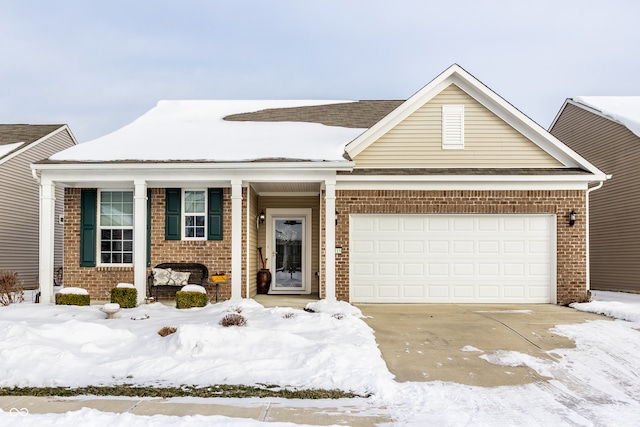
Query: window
[195, 214]
[453, 127]
[116, 227]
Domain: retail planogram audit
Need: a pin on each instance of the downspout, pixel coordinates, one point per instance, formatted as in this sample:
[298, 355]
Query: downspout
[589, 190]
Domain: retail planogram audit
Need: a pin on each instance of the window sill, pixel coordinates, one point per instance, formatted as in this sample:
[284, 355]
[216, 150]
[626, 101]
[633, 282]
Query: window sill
[114, 268]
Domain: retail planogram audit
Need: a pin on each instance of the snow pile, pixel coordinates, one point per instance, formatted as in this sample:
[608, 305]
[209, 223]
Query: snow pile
[94, 418]
[282, 346]
[623, 109]
[613, 304]
[196, 131]
[595, 383]
[7, 148]
[73, 291]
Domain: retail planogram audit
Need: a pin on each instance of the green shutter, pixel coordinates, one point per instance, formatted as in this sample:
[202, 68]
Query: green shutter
[148, 227]
[214, 221]
[172, 214]
[88, 218]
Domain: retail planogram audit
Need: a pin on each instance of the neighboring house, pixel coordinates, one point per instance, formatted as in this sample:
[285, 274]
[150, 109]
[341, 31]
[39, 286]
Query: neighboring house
[21, 145]
[606, 130]
[450, 196]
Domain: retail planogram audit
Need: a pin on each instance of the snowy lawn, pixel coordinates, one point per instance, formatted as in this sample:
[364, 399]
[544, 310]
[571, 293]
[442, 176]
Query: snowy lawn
[596, 383]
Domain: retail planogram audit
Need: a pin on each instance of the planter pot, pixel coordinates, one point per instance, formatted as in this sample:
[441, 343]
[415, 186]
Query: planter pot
[263, 280]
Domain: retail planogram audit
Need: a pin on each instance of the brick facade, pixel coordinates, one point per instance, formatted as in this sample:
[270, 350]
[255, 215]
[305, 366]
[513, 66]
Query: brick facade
[215, 254]
[571, 241]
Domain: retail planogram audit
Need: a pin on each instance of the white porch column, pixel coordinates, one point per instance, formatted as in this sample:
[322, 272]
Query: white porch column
[47, 238]
[330, 240]
[236, 239]
[140, 239]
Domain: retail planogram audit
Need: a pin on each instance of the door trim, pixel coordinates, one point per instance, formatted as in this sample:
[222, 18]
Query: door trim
[270, 240]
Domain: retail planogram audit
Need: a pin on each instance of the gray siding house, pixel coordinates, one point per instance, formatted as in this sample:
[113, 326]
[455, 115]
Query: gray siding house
[606, 131]
[20, 146]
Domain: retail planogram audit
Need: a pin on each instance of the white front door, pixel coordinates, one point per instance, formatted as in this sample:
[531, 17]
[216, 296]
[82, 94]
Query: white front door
[289, 237]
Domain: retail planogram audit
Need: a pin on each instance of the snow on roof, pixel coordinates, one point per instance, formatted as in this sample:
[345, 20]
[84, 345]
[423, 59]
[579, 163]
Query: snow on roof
[196, 131]
[7, 148]
[623, 109]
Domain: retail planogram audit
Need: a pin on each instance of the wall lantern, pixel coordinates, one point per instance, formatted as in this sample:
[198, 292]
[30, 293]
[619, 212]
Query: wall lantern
[572, 218]
[260, 219]
[337, 216]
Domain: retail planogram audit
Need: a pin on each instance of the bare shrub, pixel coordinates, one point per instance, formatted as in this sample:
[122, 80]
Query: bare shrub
[11, 291]
[289, 315]
[233, 319]
[167, 330]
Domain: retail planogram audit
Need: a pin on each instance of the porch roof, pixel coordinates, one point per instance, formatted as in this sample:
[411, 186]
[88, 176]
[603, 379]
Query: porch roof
[235, 131]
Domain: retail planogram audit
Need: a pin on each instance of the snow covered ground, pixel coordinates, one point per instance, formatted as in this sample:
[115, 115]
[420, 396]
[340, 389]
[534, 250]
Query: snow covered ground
[596, 383]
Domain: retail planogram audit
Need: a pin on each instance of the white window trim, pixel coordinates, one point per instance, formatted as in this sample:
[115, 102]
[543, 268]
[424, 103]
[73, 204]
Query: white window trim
[453, 127]
[99, 229]
[183, 213]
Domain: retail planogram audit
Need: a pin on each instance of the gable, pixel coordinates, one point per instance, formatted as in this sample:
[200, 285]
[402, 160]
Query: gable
[489, 142]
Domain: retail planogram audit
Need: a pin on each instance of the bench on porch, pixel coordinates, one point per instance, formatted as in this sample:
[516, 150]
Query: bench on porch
[199, 276]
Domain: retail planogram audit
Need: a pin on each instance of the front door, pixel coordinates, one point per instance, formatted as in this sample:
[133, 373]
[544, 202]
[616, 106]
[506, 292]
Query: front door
[289, 250]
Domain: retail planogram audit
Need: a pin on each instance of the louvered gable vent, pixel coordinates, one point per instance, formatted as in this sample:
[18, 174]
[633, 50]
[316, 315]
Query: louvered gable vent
[452, 127]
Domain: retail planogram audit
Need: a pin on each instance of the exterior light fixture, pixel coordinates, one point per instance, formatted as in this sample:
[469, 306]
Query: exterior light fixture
[260, 219]
[337, 216]
[572, 218]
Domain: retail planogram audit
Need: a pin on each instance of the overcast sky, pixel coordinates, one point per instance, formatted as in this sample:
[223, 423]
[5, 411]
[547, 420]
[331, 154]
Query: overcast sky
[98, 65]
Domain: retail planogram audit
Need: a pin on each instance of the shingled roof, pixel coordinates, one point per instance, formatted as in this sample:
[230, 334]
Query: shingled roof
[10, 134]
[358, 114]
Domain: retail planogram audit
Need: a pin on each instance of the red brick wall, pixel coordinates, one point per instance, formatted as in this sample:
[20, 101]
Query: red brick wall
[215, 254]
[571, 241]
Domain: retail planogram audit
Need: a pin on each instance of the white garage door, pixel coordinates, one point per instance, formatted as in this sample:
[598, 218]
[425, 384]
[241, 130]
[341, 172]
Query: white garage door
[452, 258]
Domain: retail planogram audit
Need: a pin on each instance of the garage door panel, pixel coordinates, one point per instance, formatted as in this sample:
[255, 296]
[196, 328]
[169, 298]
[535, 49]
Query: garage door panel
[388, 247]
[413, 247]
[463, 247]
[413, 269]
[452, 258]
[388, 269]
[438, 247]
[488, 247]
[363, 247]
[388, 223]
[438, 269]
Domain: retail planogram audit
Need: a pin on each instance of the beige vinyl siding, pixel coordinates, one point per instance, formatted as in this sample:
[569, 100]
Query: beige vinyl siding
[280, 202]
[19, 210]
[614, 219]
[488, 140]
[254, 257]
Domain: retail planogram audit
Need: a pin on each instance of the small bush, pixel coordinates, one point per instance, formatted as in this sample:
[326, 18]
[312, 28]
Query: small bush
[167, 330]
[233, 319]
[72, 299]
[190, 299]
[11, 291]
[126, 297]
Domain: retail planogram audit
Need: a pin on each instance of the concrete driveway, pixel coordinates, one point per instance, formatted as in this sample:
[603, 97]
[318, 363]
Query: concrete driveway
[443, 342]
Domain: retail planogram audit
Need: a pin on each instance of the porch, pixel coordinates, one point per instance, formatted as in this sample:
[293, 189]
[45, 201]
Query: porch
[289, 198]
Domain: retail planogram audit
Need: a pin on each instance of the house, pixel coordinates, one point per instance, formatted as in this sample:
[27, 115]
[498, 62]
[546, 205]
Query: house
[606, 130]
[452, 195]
[21, 145]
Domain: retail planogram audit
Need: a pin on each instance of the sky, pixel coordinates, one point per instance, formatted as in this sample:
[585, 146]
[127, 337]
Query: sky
[98, 65]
